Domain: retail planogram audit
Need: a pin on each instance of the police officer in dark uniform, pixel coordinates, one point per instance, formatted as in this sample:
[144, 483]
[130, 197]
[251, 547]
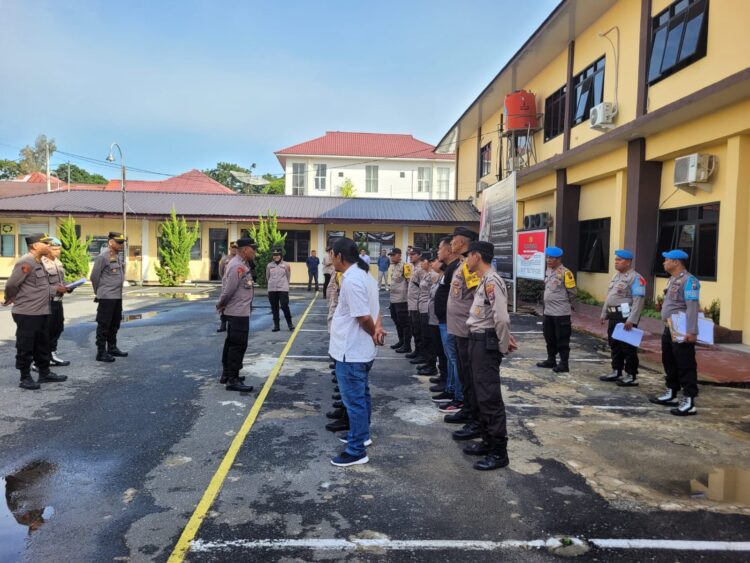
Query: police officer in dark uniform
[489, 340]
[28, 289]
[236, 304]
[415, 273]
[678, 351]
[222, 269]
[398, 294]
[559, 295]
[624, 303]
[278, 274]
[108, 277]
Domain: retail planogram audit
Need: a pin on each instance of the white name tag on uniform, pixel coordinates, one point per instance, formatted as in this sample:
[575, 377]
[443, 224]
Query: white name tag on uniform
[625, 309]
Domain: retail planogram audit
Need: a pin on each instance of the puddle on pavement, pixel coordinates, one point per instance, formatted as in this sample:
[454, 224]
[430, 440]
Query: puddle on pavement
[139, 316]
[729, 485]
[25, 509]
[170, 295]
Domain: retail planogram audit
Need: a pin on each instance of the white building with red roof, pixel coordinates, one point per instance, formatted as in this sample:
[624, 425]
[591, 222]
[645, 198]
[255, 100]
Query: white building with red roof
[379, 165]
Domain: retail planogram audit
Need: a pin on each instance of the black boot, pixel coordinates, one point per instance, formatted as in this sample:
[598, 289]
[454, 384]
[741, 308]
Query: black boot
[338, 405]
[397, 345]
[480, 448]
[114, 351]
[336, 414]
[496, 459]
[222, 327]
[546, 364]
[412, 355]
[27, 382]
[291, 326]
[103, 356]
[561, 368]
[234, 384]
[338, 425]
[405, 349]
[468, 432]
[51, 377]
[275, 328]
[336, 396]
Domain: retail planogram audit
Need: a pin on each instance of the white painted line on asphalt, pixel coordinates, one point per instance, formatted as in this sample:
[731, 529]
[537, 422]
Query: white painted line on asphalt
[673, 545]
[563, 406]
[512, 357]
[332, 544]
[308, 357]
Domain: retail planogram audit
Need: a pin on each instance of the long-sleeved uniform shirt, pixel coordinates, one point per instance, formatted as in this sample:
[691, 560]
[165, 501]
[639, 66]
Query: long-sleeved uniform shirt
[237, 289]
[28, 287]
[108, 275]
[412, 296]
[56, 274]
[463, 287]
[425, 285]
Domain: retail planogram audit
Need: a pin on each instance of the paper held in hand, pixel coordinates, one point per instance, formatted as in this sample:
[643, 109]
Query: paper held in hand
[632, 336]
[75, 284]
[678, 327]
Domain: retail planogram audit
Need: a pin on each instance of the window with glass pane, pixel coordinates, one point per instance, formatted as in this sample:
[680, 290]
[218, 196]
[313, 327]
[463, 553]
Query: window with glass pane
[679, 37]
[593, 255]
[375, 241]
[8, 246]
[589, 91]
[195, 251]
[296, 246]
[443, 182]
[694, 230]
[332, 236]
[298, 179]
[428, 241]
[320, 176]
[554, 114]
[424, 179]
[485, 160]
[371, 179]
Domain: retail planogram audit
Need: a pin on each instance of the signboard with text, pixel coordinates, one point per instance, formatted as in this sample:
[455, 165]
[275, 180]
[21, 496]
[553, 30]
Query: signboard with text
[497, 223]
[530, 261]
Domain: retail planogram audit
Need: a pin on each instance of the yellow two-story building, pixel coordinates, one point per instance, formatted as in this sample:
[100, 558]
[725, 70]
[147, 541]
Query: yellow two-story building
[640, 138]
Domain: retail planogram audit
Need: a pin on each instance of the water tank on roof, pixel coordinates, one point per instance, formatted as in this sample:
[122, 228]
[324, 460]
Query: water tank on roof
[520, 111]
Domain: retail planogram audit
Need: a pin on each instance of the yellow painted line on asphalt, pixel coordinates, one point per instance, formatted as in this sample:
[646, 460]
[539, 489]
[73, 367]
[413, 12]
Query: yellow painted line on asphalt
[217, 481]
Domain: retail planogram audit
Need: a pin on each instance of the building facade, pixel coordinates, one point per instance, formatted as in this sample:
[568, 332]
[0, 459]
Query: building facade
[309, 222]
[377, 165]
[670, 168]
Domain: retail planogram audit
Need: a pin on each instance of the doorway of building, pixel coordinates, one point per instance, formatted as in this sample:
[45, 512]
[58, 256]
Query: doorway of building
[218, 240]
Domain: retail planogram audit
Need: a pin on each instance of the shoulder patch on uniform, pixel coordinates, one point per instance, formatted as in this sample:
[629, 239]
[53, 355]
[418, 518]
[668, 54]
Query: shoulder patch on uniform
[489, 289]
[407, 271]
[638, 287]
[241, 271]
[25, 268]
[692, 289]
[470, 280]
[570, 280]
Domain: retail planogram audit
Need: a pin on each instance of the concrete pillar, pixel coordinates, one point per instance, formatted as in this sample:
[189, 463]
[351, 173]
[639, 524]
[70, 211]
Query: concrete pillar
[642, 207]
[321, 248]
[145, 248]
[233, 232]
[52, 229]
[734, 250]
[567, 198]
[404, 239]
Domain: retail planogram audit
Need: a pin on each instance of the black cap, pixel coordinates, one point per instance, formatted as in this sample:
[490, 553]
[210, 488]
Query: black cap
[415, 250]
[464, 232]
[427, 256]
[37, 237]
[276, 252]
[245, 241]
[394, 251]
[486, 249]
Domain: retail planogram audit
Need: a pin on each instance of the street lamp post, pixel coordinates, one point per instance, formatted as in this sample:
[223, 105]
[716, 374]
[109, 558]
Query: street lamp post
[111, 158]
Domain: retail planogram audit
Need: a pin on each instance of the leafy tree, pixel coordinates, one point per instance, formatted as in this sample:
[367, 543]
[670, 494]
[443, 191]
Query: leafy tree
[267, 236]
[34, 159]
[362, 244]
[177, 238]
[222, 173]
[347, 189]
[78, 175]
[74, 253]
[277, 185]
[9, 169]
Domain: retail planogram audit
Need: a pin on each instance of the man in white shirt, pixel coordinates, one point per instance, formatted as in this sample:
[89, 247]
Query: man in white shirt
[365, 257]
[356, 330]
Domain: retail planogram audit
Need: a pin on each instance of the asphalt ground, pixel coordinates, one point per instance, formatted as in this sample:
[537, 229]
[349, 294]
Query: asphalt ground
[121, 455]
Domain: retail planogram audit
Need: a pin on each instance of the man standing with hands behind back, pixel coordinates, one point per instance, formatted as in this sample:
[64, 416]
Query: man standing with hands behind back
[278, 274]
[108, 277]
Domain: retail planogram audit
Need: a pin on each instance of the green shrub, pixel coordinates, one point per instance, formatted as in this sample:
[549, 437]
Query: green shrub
[713, 311]
[584, 296]
[267, 236]
[530, 291]
[174, 251]
[74, 253]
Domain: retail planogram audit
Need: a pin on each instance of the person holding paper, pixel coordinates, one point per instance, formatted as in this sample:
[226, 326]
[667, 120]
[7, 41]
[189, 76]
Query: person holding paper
[682, 295]
[625, 299]
[559, 295]
[57, 290]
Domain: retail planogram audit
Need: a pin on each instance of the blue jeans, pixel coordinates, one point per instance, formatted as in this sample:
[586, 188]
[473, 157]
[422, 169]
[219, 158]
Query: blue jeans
[352, 378]
[452, 386]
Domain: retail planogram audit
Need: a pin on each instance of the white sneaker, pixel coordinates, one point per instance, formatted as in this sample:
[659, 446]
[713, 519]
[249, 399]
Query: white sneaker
[668, 398]
[368, 442]
[686, 408]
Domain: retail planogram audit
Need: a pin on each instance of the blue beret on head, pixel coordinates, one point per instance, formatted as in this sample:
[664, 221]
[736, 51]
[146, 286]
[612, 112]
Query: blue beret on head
[553, 252]
[675, 254]
[624, 254]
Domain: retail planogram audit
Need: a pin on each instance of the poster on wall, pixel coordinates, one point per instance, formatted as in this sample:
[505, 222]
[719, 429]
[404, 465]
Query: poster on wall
[497, 223]
[530, 260]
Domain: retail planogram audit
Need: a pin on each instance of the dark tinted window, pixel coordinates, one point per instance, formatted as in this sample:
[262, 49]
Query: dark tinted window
[594, 245]
[694, 230]
[589, 91]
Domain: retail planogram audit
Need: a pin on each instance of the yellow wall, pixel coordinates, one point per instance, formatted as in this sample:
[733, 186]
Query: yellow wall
[490, 134]
[727, 52]
[589, 47]
[466, 160]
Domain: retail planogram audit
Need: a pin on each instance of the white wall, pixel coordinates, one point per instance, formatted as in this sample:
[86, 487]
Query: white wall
[390, 182]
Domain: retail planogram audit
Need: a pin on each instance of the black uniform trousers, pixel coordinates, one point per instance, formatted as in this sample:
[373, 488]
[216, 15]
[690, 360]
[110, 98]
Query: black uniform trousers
[557, 331]
[108, 318]
[426, 338]
[235, 344]
[415, 323]
[400, 316]
[466, 379]
[485, 369]
[680, 366]
[280, 299]
[436, 343]
[32, 343]
[56, 324]
[312, 277]
[624, 356]
[326, 281]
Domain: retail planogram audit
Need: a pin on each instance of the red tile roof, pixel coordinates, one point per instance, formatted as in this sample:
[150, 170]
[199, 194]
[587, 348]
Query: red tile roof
[192, 182]
[37, 178]
[371, 145]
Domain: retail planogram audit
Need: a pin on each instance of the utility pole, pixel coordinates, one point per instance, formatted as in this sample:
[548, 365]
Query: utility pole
[49, 186]
[68, 175]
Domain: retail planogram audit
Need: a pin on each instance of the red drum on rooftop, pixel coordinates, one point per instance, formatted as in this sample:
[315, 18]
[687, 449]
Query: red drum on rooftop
[520, 111]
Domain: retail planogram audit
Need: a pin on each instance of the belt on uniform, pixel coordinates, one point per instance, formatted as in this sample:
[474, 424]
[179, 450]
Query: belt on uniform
[477, 336]
[615, 309]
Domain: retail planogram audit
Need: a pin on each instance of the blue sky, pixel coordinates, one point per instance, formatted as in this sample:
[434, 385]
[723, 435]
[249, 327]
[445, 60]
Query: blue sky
[184, 84]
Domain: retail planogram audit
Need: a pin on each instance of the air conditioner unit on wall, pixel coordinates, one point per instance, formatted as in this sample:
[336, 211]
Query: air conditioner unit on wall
[694, 171]
[602, 116]
[537, 221]
[515, 163]
[481, 186]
